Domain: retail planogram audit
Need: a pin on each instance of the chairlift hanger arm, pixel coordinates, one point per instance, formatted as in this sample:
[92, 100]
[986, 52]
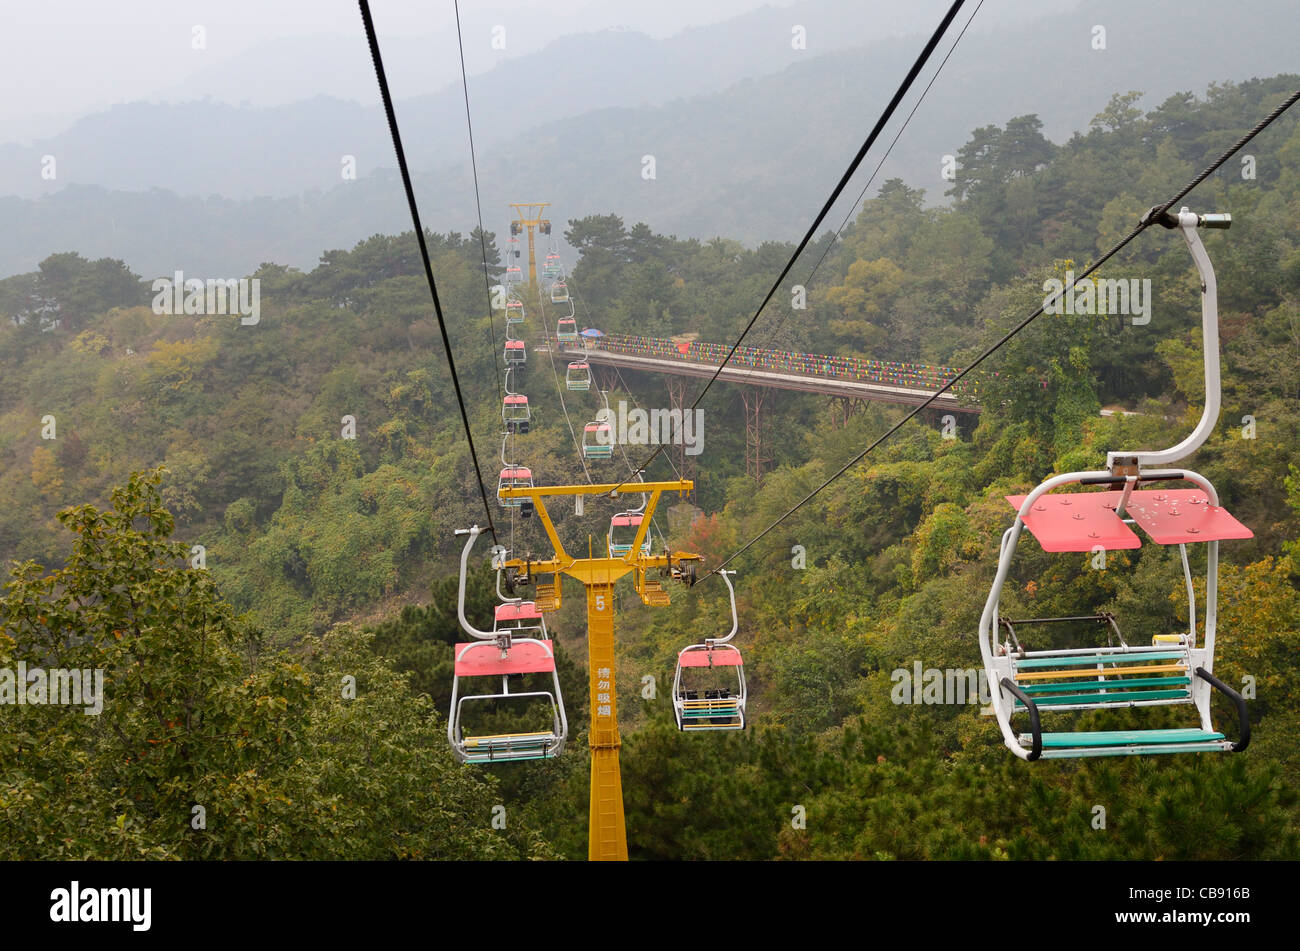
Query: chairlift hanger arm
[735, 618]
[1188, 223]
[506, 599]
[473, 532]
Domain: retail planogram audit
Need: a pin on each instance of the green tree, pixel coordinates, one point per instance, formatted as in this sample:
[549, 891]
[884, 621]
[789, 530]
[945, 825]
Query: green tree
[206, 745]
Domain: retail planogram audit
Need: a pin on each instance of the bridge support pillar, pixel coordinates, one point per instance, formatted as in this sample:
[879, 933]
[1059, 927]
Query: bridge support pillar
[842, 408]
[677, 401]
[756, 458]
[606, 377]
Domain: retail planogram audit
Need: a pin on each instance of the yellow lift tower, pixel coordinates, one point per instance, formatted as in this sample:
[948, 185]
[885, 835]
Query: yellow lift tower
[607, 835]
[529, 213]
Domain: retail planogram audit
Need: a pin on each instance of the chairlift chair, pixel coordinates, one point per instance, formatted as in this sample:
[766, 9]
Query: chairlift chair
[501, 653]
[515, 353]
[515, 477]
[559, 293]
[515, 414]
[714, 700]
[1175, 669]
[485, 659]
[551, 270]
[622, 533]
[514, 312]
[597, 441]
[566, 332]
[578, 376]
[514, 275]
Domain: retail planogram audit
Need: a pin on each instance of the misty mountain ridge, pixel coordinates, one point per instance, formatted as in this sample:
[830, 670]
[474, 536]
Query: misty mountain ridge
[752, 161]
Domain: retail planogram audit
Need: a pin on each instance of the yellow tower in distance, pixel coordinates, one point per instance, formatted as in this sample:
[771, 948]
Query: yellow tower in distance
[530, 218]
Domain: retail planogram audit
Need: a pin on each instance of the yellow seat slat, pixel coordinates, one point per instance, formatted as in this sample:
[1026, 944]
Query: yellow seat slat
[1077, 673]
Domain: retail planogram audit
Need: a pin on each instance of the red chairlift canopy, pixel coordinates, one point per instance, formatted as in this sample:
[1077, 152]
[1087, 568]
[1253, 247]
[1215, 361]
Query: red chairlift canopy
[623, 521]
[1078, 521]
[521, 611]
[514, 345]
[515, 400]
[483, 659]
[596, 428]
[519, 472]
[1082, 521]
[1171, 516]
[722, 657]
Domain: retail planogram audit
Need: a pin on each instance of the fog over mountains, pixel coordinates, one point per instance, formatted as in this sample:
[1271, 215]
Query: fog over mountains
[748, 133]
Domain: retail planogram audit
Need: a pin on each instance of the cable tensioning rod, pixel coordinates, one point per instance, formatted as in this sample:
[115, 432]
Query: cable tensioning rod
[885, 116]
[1151, 217]
[424, 248]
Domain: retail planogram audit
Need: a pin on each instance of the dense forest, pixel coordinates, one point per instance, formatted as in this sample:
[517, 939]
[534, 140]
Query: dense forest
[274, 600]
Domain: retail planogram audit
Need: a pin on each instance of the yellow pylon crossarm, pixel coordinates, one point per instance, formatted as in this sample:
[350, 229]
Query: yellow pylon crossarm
[626, 488]
[607, 835]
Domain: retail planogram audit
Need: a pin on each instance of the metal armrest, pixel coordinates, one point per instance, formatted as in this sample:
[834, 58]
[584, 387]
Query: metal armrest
[1035, 728]
[1243, 717]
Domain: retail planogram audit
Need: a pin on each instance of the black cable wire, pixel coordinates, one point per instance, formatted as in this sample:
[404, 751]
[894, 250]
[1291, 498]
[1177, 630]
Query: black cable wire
[559, 390]
[478, 204]
[885, 116]
[1210, 170]
[876, 171]
[424, 247]
[1153, 216]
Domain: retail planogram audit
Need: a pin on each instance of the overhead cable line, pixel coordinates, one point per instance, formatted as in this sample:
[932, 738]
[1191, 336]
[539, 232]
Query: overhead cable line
[478, 204]
[559, 390]
[883, 159]
[382, 78]
[1153, 216]
[885, 116]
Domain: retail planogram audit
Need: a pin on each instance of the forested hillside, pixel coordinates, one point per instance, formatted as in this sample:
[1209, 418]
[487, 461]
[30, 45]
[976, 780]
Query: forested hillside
[326, 556]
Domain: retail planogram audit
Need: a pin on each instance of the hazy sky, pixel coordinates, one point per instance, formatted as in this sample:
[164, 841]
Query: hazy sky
[63, 58]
